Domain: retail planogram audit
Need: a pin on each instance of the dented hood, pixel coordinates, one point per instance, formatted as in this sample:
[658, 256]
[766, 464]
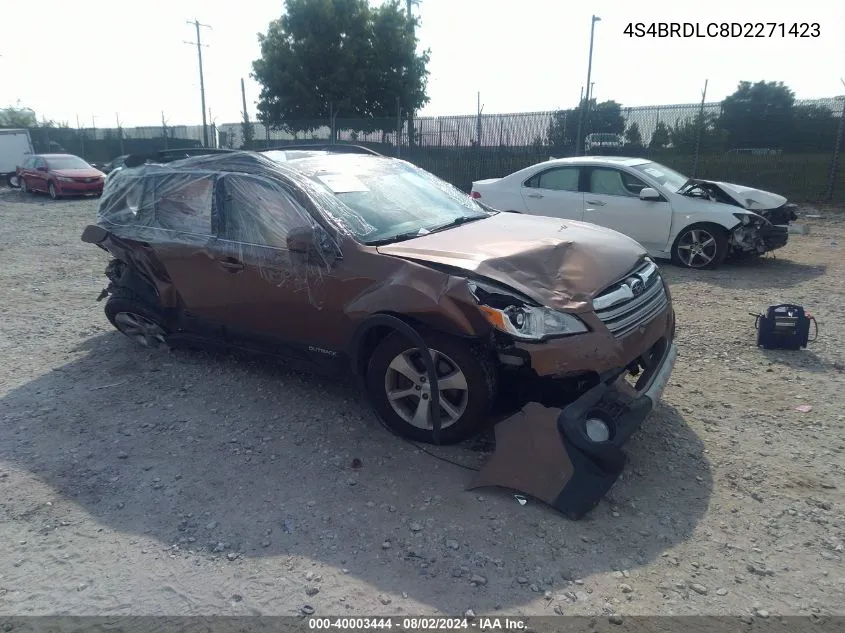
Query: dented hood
[561, 264]
[748, 197]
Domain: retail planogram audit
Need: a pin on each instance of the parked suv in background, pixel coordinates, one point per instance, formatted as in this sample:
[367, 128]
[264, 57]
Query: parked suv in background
[602, 141]
[369, 263]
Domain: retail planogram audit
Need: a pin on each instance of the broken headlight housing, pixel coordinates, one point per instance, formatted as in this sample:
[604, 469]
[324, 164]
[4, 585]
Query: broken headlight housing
[749, 219]
[516, 317]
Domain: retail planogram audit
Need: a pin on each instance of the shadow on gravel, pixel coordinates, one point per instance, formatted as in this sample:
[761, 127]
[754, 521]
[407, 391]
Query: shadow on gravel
[806, 359]
[16, 196]
[232, 459]
[751, 275]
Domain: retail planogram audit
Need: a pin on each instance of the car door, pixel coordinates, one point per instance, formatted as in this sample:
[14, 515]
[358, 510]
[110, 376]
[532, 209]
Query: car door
[26, 171]
[39, 174]
[277, 297]
[182, 210]
[554, 192]
[612, 199]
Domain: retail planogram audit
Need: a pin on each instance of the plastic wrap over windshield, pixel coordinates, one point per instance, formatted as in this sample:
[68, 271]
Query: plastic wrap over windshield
[387, 197]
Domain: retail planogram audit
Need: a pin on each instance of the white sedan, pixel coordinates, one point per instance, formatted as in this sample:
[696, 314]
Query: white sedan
[696, 223]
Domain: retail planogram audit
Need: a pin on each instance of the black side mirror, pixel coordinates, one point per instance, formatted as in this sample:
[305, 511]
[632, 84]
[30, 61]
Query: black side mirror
[310, 244]
[301, 240]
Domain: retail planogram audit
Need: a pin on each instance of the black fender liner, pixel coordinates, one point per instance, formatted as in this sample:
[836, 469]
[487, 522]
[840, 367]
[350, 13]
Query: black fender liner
[403, 328]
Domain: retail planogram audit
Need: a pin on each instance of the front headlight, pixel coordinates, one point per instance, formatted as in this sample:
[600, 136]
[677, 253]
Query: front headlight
[64, 179]
[533, 323]
[747, 218]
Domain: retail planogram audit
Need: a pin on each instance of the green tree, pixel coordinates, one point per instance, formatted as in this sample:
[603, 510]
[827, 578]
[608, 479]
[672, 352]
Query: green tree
[758, 114]
[814, 128]
[602, 117]
[21, 116]
[685, 134]
[605, 117]
[660, 137]
[633, 137]
[328, 58]
[18, 116]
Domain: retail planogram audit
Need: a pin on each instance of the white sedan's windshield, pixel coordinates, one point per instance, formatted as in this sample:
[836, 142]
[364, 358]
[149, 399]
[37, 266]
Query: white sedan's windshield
[668, 178]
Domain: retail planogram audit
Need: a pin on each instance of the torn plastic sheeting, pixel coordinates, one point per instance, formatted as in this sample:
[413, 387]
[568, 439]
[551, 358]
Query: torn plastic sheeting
[342, 218]
[253, 216]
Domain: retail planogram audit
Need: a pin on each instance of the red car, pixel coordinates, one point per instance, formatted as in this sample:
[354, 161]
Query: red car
[60, 175]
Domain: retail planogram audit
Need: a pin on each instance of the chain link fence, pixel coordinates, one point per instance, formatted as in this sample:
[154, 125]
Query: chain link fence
[793, 150]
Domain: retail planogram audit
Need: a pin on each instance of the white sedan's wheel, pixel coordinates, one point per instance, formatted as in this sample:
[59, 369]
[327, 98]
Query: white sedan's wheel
[700, 246]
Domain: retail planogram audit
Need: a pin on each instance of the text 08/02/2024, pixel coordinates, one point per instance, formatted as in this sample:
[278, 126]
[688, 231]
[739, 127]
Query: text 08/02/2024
[723, 29]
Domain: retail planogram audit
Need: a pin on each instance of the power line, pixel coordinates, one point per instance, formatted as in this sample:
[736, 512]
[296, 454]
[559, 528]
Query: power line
[200, 46]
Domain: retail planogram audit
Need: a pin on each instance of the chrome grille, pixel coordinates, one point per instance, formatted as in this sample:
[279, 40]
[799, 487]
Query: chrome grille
[632, 302]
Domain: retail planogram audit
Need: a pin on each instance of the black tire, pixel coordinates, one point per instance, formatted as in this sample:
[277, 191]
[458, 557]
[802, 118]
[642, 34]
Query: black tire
[695, 234]
[476, 366]
[12, 181]
[51, 189]
[126, 303]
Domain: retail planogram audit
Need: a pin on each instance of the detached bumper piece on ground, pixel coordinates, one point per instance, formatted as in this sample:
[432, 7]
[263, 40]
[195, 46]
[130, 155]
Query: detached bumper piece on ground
[570, 458]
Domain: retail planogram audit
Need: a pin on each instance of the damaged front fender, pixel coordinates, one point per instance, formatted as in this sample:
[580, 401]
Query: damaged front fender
[756, 235]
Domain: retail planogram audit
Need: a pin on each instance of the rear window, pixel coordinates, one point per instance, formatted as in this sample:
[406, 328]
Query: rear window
[174, 202]
[184, 204]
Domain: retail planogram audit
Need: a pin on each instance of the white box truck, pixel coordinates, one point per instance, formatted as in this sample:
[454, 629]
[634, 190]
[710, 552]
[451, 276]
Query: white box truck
[15, 146]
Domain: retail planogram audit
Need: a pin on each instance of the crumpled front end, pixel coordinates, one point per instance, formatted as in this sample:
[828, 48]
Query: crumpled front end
[586, 396]
[757, 235]
[570, 457]
[782, 215]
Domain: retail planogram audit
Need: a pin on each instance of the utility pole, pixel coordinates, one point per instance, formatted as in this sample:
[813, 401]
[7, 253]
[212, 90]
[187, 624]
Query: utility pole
[245, 112]
[164, 129]
[81, 137]
[411, 35]
[213, 126]
[586, 105]
[478, 110]
[199, 46]
[700, 127]
[119, 131]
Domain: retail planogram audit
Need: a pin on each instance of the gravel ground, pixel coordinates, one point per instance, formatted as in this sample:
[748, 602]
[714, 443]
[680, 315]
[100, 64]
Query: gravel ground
[152, 483]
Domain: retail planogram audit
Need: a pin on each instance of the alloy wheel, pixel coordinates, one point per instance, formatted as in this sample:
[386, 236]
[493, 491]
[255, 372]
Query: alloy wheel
[697, 248]
[147, 333]
[409, 391]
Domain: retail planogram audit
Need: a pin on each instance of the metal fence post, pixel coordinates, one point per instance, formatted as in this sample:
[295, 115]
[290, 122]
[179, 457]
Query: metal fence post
[834, 161]
[700, 129]
[398, 127]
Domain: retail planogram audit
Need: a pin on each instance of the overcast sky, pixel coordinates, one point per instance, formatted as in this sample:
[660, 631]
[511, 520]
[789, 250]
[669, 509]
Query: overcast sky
[99, 58]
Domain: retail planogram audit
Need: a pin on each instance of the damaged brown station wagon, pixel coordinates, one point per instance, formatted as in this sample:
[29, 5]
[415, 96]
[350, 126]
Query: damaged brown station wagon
[365, 262]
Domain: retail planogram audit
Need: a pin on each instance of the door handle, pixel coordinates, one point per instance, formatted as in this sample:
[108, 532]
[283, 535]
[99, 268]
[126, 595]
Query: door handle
[535, 195]
[230, 264]
[597, 203]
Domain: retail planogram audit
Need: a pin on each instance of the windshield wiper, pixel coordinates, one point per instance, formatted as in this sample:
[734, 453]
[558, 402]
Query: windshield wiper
[457, 222]
[399, 237]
